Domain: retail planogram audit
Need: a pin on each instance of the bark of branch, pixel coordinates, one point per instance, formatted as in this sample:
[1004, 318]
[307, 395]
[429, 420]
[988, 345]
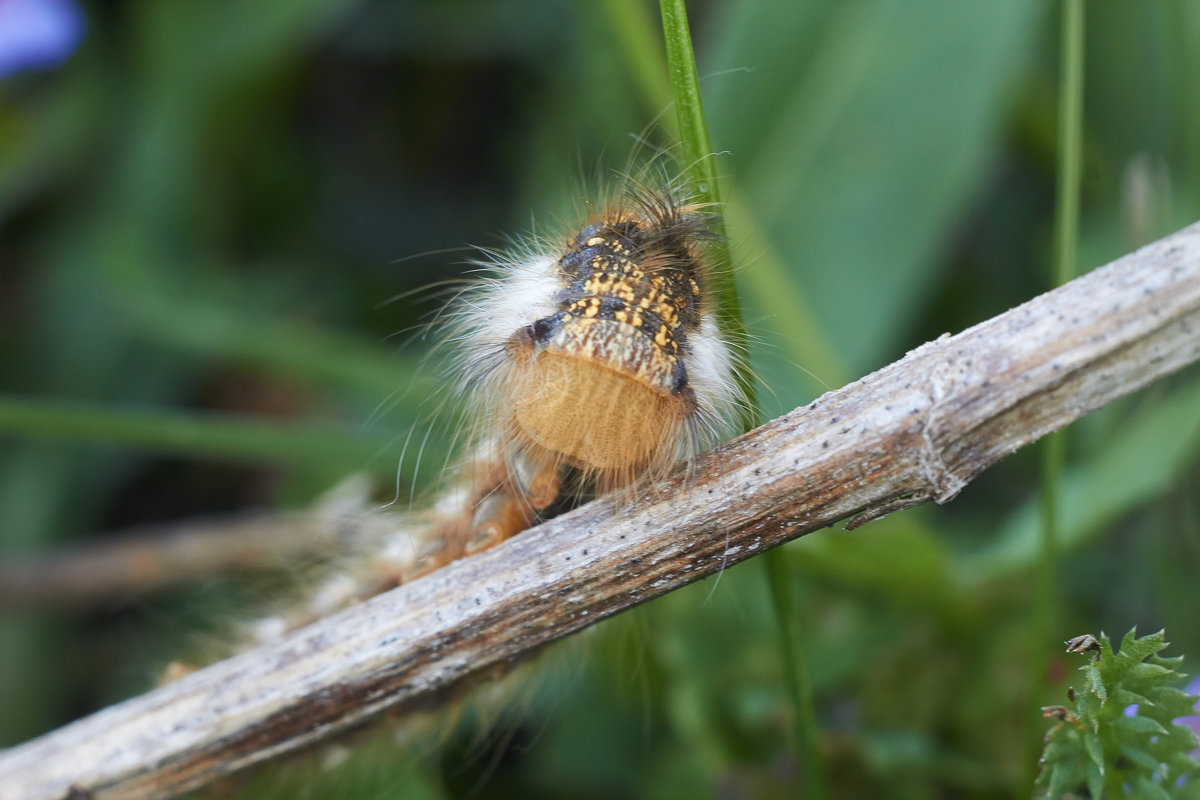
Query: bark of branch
[917, 430]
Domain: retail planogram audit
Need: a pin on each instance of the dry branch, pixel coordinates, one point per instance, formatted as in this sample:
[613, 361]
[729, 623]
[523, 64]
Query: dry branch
[917, 430]
[151, 557]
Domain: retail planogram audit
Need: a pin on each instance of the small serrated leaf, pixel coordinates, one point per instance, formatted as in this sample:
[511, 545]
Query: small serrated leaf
[1139, 757]
[1095, 780]
[1171, 662]
[1139, 724]
[1087, 706]
[1171, 703]
[1096, 684]
[1095, 750]
[1141, 649]
[1133, 652]
[1150, 790]
[1125, 698]
[1149, 673]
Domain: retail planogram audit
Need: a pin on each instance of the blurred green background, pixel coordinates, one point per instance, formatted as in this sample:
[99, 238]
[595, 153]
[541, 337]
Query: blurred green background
[203, 211]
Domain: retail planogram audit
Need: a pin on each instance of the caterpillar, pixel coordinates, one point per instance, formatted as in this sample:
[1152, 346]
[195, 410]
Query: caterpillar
[592, 363]
[589, 363]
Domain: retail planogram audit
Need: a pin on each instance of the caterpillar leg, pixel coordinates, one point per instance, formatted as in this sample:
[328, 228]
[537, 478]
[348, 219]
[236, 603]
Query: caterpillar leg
[512, 503]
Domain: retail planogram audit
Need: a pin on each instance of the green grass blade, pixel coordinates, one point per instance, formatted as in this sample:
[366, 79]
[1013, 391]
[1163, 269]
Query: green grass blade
[698, 156]
[796, 679]
[242, 439]
[310, 352]
[1066, 232]
[689, 108]
[1070, 131]
[693, 131]
[1070, 126]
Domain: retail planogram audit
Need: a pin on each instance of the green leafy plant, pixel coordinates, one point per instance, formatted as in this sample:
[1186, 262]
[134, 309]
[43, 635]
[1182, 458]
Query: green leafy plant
[1122, 738]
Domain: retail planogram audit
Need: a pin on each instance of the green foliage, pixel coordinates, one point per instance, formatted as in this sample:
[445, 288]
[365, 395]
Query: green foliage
[1122, 738]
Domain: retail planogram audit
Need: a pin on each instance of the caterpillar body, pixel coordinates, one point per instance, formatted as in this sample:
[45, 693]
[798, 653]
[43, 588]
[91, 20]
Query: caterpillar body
[594, 365]
[589, 364]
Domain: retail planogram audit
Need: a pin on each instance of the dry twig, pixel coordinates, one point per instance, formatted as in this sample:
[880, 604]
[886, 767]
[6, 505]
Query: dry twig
[917, 430]
[150, 558]
[146, 559]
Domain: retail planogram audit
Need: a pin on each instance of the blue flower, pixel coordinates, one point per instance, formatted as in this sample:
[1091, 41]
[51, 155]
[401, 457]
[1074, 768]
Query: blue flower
[37, 33]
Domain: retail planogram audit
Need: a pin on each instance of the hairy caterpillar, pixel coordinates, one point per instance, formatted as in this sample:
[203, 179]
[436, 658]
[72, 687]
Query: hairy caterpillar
[592, 362]
[589, 363]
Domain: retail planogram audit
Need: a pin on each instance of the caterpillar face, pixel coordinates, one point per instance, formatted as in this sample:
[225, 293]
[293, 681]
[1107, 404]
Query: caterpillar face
[599, 363]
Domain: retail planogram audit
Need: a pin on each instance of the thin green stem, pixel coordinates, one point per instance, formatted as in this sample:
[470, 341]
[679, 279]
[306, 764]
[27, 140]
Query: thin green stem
[1066, 228]
[1189, 26]
[693, 133]
[689, 108]
[1050, 512]
[1066, 234]
[1070, 127]
[697, 154]
[799, 687]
